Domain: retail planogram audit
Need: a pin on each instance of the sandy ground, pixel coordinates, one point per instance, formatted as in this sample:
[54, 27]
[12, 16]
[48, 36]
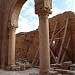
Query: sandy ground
[33, 70]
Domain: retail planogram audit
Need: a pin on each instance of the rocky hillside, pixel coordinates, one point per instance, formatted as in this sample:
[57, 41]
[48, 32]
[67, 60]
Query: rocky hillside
[27, 44]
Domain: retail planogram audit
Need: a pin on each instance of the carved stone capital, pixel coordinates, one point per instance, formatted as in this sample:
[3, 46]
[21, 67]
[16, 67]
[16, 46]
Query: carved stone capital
[43, 6]
[12, 28]
[43, 11]
[12, 25]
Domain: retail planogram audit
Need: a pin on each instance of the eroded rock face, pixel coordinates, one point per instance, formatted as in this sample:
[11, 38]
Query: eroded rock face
[28, 43]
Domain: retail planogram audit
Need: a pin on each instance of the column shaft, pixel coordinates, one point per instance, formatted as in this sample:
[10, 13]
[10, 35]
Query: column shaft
[44, 44]
[11, 51]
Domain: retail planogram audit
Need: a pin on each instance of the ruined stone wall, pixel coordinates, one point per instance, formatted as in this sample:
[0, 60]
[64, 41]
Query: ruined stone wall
[30, 41]
[61, 19]
[7, 7]
[27, 45]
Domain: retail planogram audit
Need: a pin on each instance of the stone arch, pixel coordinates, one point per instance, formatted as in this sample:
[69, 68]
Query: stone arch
[13, 24]
[14, 14]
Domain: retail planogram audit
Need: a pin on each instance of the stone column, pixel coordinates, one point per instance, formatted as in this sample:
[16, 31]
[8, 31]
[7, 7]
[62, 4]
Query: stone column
[11, 50]
[44, 44]
[42, 8]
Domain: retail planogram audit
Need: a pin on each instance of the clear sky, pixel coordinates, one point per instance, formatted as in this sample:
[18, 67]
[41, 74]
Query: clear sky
[28, 21]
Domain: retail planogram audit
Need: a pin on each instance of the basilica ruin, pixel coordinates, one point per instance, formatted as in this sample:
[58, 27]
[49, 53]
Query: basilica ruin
[50, 48]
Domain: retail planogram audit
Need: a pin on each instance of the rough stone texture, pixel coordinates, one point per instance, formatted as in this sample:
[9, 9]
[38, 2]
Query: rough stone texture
[7, 10]
[28, 43]
[61, 19]
[9, 13]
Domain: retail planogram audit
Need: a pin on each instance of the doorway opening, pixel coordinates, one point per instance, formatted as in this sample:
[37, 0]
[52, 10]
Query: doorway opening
[26, 37]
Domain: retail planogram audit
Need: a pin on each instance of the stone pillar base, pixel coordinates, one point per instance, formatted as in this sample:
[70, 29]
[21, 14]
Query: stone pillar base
[11, 68]
[15, 68]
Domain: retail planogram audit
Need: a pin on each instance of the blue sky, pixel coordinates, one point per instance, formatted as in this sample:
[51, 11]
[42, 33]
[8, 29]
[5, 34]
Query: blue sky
[28, 20]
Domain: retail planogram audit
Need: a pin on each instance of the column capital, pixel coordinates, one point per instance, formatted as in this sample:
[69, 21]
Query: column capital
[43, 7]
[12, 27]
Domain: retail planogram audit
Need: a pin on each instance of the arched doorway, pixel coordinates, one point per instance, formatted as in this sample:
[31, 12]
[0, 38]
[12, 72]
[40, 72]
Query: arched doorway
[13, 24]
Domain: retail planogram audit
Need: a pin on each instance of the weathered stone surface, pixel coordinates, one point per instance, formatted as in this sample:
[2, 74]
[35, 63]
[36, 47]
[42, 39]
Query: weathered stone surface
[8, 15]
[61, 19]
[28, 43]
